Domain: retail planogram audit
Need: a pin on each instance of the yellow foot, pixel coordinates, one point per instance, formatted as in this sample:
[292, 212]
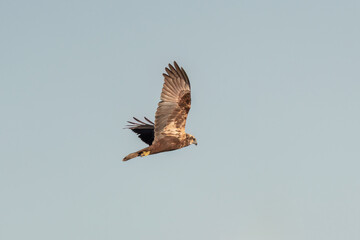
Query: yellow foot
[144, 153]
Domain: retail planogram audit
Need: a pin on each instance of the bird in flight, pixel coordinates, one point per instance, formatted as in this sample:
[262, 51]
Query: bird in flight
[168, 131]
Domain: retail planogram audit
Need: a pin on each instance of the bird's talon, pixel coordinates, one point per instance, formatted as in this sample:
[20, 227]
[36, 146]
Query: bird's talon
[144, 153]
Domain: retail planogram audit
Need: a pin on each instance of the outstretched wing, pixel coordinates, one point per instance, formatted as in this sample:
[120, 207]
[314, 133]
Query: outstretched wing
[172, 111]
[145, 131]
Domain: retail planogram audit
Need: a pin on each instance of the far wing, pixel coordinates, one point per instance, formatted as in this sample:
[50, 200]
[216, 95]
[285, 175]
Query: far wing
[172, 111]
[145, 131]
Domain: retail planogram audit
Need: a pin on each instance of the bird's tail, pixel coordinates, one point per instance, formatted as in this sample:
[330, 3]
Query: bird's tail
[141, 153]
[130, 156]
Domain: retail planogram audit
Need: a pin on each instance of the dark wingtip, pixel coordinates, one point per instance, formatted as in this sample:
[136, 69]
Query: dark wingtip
[176, 71]
[149, 120]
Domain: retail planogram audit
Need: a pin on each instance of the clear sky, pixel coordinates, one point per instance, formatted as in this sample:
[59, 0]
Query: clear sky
[276, 112]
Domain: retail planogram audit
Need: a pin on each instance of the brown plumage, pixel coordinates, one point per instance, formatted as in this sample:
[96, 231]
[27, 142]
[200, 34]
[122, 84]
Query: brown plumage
[168, 132]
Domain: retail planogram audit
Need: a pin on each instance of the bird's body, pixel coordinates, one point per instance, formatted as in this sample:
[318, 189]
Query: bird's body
[168, 132]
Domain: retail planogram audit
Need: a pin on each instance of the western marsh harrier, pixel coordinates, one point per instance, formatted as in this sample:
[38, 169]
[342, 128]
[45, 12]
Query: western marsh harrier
[168, 132]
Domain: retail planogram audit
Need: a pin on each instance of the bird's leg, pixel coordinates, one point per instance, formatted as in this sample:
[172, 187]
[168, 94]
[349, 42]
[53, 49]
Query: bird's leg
[144, 153]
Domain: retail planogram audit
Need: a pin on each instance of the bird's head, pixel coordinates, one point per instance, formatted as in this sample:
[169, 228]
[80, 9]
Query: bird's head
[191, 139]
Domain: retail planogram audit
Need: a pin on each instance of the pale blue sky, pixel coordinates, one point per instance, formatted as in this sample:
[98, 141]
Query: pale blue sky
[276, 111]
